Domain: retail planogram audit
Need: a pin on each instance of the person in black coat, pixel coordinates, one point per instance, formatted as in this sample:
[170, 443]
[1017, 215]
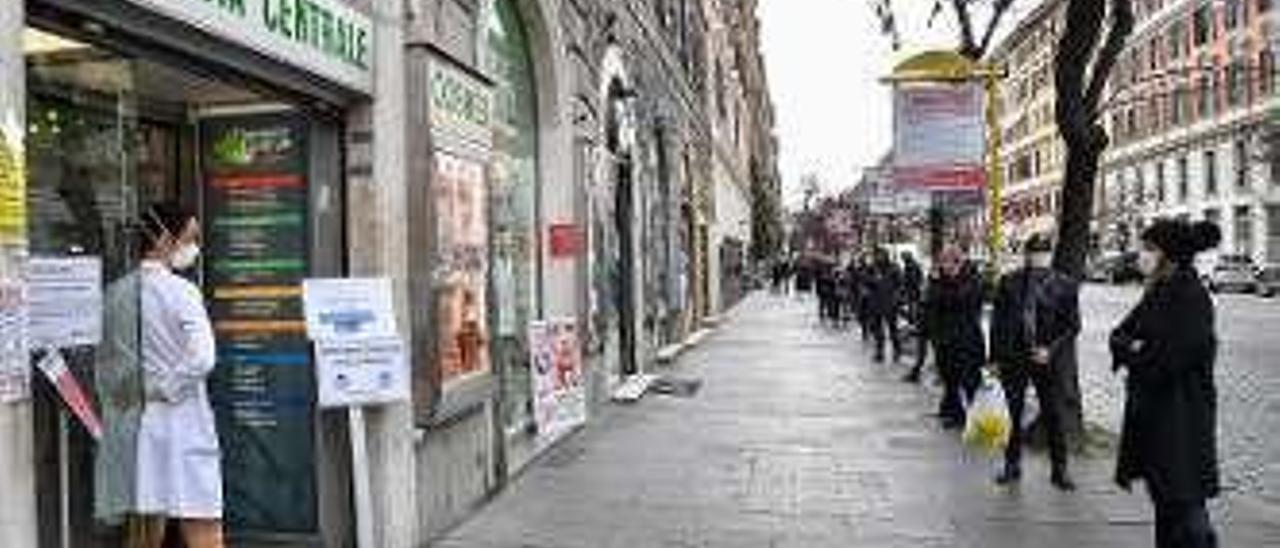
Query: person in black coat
[1036, 316]
[883, 282]
[913, 283]
[1168, 346]
[953, 308]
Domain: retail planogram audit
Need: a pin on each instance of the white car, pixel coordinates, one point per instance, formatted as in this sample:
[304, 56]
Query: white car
[1233, 273]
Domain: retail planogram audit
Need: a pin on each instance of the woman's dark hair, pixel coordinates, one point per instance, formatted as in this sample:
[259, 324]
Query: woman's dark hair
[159, 220]
[1181, 240]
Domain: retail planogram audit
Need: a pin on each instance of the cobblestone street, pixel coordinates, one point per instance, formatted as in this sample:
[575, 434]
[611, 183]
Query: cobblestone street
[797, 439]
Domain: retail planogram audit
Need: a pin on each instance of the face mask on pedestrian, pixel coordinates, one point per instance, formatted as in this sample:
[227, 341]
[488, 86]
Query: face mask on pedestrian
[1148, 262]
[184, 257]
[1039, 259]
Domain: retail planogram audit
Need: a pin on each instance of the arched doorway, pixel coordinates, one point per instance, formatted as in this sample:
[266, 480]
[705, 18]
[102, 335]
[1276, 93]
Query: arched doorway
[514, 209]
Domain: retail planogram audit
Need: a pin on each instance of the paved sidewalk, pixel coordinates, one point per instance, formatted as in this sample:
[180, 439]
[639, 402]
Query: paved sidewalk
[797, 440]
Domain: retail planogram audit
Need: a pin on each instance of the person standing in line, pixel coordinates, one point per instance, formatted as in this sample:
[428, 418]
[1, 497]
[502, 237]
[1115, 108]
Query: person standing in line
[862, 270]
[924, 332]
[913, 283]
[1168, 346]
[953, 303]
[1036, 317]
[883, 282]
[178, 467]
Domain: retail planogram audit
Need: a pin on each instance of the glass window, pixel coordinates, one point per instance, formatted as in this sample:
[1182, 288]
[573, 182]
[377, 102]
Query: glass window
[1244, 230]
[1160, 181]
[1203, 24]
[1183, 179]
[1241, 164]
[514, 256]
[1210, 167]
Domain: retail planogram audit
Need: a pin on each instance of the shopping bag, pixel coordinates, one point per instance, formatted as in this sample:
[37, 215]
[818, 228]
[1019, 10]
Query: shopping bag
[987, 424]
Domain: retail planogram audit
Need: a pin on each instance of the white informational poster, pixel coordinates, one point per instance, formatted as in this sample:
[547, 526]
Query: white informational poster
[559, 388]
[65, 301]
[345, 308]
[939, 136]
[15, 367]
[360, 372]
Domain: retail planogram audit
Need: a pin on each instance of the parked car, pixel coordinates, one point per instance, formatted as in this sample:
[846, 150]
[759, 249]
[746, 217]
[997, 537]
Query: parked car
[1233, 273]
[1269, 280]
[1116, 268]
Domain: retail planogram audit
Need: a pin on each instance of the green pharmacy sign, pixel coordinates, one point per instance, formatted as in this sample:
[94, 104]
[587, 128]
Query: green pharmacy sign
[326, 37]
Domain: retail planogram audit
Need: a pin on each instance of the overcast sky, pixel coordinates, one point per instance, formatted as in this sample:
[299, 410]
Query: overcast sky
[825, 59]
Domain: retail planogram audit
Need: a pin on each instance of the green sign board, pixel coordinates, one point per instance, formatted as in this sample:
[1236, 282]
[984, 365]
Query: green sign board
[325, 37]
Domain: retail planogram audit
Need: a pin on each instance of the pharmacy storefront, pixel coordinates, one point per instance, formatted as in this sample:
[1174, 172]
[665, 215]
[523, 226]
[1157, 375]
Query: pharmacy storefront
[236, 110]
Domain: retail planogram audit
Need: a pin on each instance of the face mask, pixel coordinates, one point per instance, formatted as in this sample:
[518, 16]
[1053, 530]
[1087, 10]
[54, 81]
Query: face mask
[185, 257]
[1148, 262]
[1040, 260]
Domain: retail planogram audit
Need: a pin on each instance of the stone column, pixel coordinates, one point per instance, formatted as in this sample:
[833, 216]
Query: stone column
[17, 462]
[376, 185]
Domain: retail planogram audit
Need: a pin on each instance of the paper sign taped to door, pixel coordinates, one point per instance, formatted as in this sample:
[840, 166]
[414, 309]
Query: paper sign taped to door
[65, 301]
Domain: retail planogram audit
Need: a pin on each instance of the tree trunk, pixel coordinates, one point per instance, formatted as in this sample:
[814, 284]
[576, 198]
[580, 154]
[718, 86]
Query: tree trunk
[1080, 84]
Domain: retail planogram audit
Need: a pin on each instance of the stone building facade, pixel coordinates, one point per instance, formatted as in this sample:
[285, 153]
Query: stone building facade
[1191, 114]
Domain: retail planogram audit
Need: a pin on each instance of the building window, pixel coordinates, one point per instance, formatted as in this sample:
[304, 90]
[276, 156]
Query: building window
[1139, 187]
[513, 218]
[1177, 40]
[1210, 173]
[1244, 230]
[1266, 76]
[1234, 15]
[1160, 182]
[1203, 24]
[1235, 84]
[1183, 180]
[1205, 107]
[1241, 164]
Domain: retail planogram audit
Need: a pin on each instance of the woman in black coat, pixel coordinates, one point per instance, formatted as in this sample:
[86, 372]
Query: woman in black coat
[1167, 344]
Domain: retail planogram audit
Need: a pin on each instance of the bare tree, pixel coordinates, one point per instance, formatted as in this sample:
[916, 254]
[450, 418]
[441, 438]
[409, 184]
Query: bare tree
[1087, 51]
[1081, 69]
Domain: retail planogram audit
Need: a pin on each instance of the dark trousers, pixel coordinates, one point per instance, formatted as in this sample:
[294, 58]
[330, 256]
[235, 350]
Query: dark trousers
[1183, 524]
[958, 377]
[885, 324]
[1015, 380]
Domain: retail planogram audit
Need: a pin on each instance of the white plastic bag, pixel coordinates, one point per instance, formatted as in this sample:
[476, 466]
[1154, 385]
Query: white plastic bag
[987, 425]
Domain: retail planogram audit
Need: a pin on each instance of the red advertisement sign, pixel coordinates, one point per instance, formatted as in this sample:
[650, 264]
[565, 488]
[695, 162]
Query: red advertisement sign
[565, 240]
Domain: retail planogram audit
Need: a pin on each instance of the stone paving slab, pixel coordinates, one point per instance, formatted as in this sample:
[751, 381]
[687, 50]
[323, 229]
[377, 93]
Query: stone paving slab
[797, 440]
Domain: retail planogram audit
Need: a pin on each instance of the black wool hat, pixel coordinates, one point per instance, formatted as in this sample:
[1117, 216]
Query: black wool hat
[1180, 240]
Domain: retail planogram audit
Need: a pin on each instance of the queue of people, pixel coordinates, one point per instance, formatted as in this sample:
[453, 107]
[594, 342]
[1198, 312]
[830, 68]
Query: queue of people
[1166, 346]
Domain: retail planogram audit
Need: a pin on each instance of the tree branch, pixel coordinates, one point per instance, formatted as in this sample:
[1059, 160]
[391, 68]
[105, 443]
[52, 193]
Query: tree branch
[999, 8]
[1075, 50]
[1121, 27]
[968, 47]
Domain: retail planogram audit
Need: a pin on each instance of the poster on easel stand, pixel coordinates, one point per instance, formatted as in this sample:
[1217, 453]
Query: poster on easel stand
[558, 383]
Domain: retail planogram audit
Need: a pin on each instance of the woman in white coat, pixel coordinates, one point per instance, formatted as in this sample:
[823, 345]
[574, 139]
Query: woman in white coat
[178, 474]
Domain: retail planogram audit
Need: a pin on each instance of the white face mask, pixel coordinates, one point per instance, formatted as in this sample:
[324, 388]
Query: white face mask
[1040, 260]
[1148, 262]
[184, 257]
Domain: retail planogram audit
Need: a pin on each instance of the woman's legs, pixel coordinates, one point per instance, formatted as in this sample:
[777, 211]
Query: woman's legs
[1183, 524]
[202, 533]
[145, 532]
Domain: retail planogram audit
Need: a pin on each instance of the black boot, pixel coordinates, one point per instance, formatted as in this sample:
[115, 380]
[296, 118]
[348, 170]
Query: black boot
[1011, 474]
[1062, 480]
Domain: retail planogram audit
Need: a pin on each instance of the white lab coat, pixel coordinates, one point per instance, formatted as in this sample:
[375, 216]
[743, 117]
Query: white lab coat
[178, 471]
